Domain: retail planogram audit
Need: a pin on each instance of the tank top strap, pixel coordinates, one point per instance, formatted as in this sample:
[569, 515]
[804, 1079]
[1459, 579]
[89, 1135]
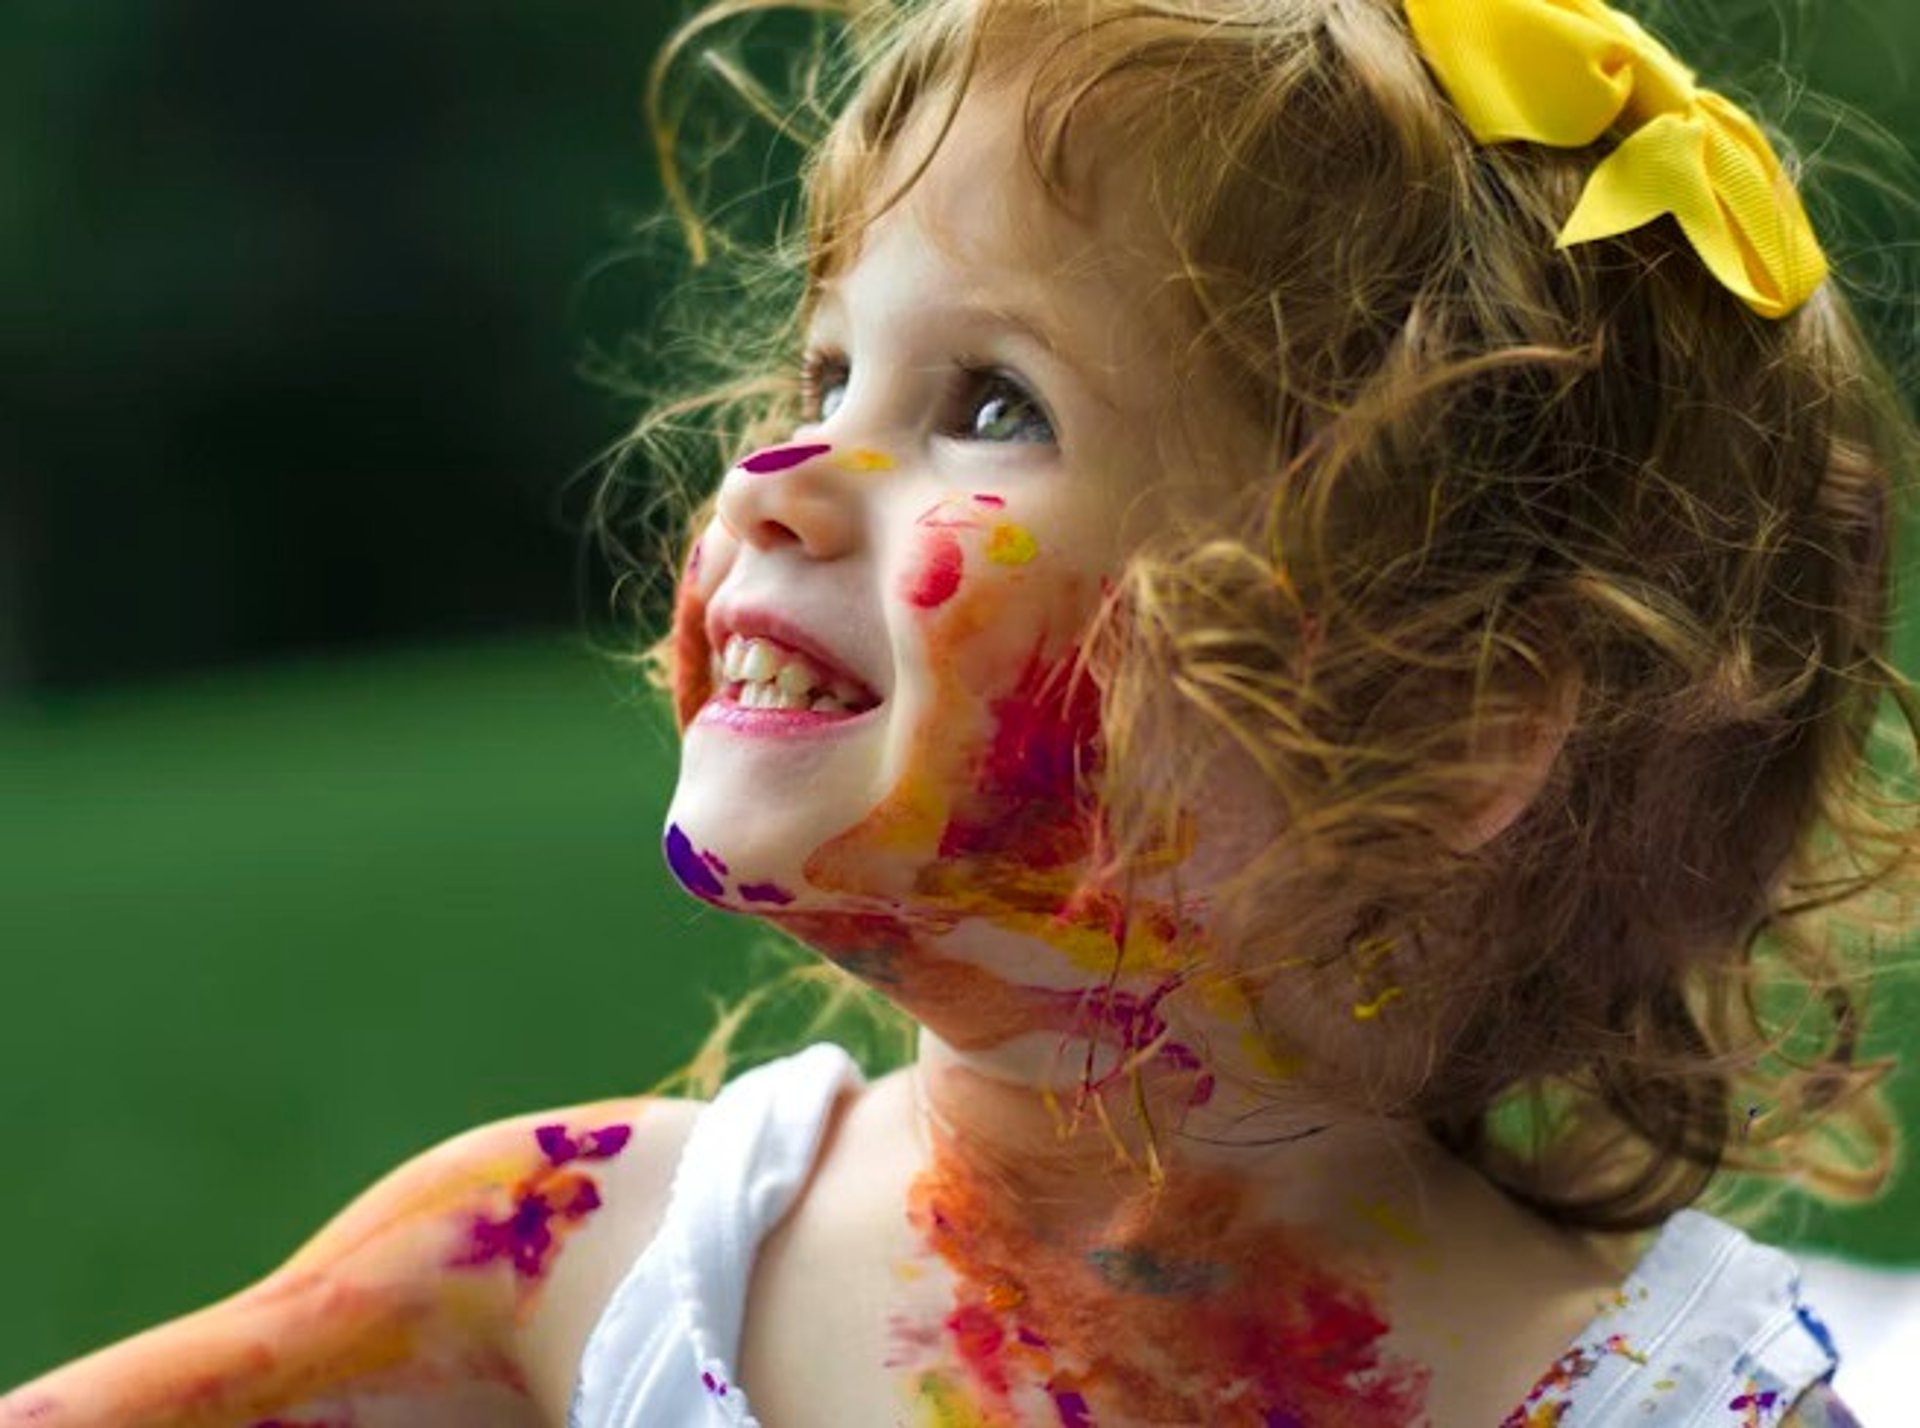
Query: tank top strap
[1709, 1328]
[670, 1333]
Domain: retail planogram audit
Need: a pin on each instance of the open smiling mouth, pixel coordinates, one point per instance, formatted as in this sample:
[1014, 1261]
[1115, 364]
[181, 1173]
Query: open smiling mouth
[759, 676]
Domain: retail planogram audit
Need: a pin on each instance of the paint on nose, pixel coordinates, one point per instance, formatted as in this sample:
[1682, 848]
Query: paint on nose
[780, 458]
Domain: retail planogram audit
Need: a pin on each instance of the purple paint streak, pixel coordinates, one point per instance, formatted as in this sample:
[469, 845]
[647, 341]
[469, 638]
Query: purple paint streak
[1072, 1409]
[688, 867]
[526, 1236]
[765, 892]
[781, 457]
[602, 1144]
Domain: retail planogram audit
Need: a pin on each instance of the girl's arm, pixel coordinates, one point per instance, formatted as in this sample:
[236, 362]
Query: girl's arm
[456, 1292]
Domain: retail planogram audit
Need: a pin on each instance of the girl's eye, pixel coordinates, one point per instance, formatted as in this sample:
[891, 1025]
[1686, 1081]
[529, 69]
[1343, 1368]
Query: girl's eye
[1005, 400]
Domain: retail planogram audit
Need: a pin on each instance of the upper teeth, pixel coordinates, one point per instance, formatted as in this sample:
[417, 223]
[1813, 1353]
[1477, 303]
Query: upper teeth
[776, 677]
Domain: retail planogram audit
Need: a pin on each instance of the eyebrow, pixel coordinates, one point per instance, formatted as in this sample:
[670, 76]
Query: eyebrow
[1008, 314]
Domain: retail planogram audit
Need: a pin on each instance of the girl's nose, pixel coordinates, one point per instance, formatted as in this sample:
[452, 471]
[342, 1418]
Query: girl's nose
[797, 494]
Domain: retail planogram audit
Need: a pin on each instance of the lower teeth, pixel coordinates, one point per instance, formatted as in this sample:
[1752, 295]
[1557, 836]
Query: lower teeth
[763, 696]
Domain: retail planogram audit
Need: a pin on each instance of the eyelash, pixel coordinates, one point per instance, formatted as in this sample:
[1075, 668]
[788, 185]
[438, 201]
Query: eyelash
[971, 378]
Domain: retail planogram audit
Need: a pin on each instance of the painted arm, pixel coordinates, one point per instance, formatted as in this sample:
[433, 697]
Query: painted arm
[414, 1306]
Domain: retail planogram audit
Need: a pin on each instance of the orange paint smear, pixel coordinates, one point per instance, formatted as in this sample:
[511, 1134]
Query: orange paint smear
[692, 683]
[1240, 1323]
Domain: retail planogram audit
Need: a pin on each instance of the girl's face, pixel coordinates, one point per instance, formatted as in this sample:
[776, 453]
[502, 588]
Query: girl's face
[983, 417]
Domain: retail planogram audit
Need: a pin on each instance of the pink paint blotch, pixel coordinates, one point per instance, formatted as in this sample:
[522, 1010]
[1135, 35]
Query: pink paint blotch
[780, 458]
[996, 502]
[940, 516]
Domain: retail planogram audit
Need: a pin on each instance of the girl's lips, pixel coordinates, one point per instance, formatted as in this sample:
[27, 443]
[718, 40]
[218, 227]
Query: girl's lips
[721, 712]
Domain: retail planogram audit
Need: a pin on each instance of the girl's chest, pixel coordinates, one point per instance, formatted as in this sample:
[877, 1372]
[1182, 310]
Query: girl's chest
[851, 1322]
[859, 1312]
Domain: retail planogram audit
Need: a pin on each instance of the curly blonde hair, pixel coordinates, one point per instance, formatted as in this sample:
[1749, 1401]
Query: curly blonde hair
[1495, 465]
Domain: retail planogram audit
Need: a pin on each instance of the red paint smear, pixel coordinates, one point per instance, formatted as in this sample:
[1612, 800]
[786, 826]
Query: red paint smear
[994, 501]
[1029, 803]
[939, 578]
[978, 1336]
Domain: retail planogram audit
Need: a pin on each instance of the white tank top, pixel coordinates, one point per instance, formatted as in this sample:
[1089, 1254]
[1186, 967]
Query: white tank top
[1708, 1329]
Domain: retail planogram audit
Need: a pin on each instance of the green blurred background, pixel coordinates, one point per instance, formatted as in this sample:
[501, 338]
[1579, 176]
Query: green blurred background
[324, 834]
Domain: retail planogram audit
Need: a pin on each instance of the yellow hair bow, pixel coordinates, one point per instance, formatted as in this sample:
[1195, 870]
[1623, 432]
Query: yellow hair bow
[1562, 72]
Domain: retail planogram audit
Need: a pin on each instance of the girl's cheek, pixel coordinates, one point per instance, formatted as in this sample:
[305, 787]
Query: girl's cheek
[706, 566]
[965, 545]
[708, 561]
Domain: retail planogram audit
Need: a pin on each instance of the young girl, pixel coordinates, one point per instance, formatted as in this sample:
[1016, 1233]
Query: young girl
[1314, 620]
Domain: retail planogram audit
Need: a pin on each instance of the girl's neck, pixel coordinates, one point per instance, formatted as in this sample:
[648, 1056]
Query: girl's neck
[1017, 1128]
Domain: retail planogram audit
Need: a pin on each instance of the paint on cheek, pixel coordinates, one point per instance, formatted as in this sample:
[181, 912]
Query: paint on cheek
[939, 575]
[991, 502]
[1011, 545]
[1028, 802]
[781, 458]
[689, 867]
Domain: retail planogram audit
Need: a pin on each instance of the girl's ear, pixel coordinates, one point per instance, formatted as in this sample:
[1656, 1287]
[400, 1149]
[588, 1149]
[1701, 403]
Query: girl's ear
[1523, 753]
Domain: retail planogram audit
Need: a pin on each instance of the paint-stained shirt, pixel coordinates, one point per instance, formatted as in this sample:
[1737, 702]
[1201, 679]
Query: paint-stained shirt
[1708, 1331]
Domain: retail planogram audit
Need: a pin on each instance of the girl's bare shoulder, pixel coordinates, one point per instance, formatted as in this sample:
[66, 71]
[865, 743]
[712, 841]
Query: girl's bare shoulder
[458, 1289]
[630, 1193]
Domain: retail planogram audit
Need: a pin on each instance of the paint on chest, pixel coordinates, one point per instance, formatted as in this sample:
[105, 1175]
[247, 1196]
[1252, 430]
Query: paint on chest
[1190, 1312]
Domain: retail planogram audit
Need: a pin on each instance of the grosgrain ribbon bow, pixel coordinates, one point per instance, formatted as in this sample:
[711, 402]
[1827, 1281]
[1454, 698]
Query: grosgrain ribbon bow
[1563, 72]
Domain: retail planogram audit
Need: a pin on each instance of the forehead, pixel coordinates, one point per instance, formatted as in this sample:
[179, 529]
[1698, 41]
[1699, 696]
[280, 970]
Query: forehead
[979, 229]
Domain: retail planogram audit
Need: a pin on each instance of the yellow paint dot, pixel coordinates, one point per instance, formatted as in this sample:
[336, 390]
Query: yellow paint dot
[865, 458]
[1367, 1011]
[1002, 1295]
[1380, 1214]
[1011, 545]
[1267, 1059]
